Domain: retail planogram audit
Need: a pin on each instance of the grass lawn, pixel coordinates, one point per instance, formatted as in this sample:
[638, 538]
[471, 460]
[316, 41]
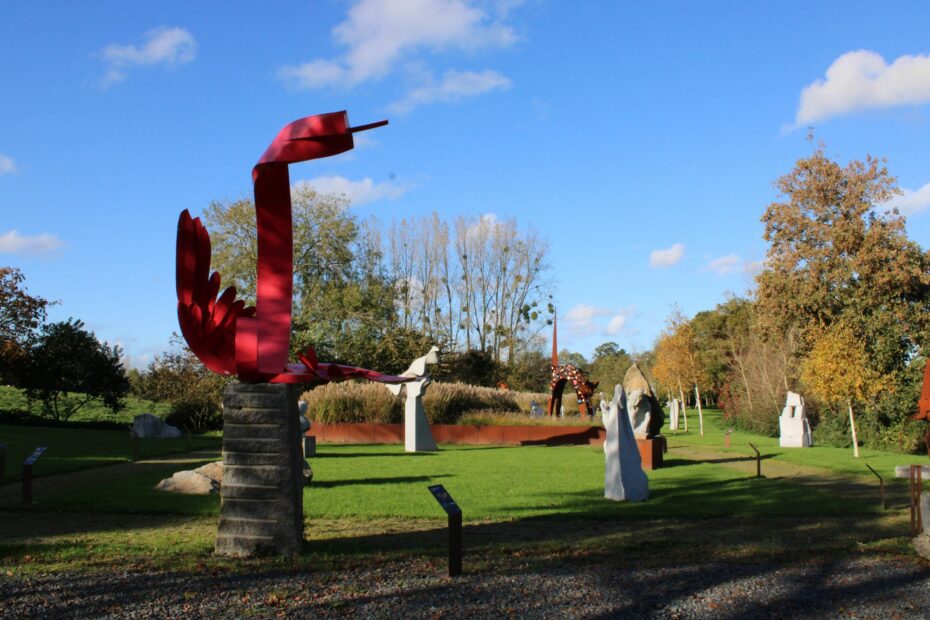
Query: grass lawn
[840, 460]
[12, 399]
[71, 449]
[370, 501]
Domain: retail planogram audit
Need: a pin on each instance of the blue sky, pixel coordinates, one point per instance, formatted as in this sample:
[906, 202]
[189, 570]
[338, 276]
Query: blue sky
[640, 139]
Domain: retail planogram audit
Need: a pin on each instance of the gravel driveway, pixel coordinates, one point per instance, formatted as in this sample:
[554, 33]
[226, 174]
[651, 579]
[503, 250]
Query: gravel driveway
[863, 588]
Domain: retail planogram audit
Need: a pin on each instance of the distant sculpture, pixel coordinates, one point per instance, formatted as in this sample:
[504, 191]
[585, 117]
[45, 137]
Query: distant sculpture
[674, 411]
[417, 435]
[624, 478]
[645, 412]
[562, 373]
[794, 425]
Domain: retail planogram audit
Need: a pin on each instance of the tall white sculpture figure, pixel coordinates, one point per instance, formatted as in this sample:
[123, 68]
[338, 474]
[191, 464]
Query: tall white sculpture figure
[624, 478]
[793, 424]
[674, 410]
[417, 436]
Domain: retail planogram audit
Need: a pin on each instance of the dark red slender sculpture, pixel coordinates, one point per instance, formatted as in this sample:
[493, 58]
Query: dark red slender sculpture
[253, 343]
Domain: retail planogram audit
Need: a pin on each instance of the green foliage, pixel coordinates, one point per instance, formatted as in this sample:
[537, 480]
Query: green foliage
[529, 372]
[473, 367]
[609, 366]
[68, 367]
[20, 315]
[195, 393]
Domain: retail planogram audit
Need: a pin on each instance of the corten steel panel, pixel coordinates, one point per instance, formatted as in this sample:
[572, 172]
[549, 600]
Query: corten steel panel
[442, 433]
[513, 435]
[387, 433]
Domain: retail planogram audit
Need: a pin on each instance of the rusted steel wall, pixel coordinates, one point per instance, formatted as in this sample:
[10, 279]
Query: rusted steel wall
[651, 450]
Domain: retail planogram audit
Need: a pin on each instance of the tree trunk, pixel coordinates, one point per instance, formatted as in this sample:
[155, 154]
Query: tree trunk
[852, 425]
[697, 399]
[684, 409]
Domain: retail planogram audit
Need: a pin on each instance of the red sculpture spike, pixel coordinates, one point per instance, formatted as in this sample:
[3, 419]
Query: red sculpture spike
[254, 342]
[923, 404]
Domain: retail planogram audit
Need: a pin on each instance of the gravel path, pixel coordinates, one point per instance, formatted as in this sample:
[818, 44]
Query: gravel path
[862, 588]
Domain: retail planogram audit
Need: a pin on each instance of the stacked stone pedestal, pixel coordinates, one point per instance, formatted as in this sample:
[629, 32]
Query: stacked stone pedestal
[261, 500]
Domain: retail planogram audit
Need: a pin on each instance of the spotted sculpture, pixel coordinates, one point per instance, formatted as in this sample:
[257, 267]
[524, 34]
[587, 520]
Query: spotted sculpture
[254, 342]
[561, 373]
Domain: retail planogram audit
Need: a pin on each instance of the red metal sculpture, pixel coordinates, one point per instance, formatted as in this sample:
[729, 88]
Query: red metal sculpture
[561, 373]
[923, 404]
[228, 337]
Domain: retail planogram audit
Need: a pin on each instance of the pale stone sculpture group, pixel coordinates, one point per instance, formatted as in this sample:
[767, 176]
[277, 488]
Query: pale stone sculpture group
[794, 425]
[624, 478]
[644, 409]
[417, 434]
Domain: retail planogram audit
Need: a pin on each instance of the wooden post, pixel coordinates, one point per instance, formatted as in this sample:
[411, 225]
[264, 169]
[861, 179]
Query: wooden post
[758, 461]
[916, 489]
[27, 473]
[881, 485]
[455, 544]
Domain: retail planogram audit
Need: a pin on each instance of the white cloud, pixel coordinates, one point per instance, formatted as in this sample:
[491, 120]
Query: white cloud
[616, 324]
[582, 319]
[163, 46]
[7, 165]
[911, 201]
[14, 243]
[723, 265]
[667, 257]
[358, 192]
[455, 86]
[378, 34]
[861, 80]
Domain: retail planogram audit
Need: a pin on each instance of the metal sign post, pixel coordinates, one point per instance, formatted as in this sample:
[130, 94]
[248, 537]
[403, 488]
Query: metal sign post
[455, 527]
[27, 473]
[881, 485]
[758, 461]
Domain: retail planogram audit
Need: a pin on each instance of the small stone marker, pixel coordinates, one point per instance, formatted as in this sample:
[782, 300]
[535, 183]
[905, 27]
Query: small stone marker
[455, 527]
[27, 473]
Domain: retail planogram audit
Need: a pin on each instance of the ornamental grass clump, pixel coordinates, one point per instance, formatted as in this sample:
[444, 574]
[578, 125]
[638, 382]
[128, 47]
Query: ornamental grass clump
[352, 402]
[445, 403]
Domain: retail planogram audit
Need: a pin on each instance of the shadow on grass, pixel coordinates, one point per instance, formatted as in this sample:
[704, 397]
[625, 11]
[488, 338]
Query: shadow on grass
[326, 484]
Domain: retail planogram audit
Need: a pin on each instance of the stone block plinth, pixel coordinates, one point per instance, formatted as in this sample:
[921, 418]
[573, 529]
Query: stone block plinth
[261, 499]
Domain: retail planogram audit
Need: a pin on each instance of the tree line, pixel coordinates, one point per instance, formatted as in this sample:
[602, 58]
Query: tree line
[840, 313]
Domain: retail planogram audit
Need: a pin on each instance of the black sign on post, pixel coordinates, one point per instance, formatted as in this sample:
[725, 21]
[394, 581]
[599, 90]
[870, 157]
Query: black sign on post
[27, 473]
[455, 527]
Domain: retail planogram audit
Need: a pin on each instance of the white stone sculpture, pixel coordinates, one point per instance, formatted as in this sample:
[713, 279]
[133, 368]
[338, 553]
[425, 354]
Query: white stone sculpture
[624, 478]
[150, 426]
[674, 411]
[417, 435]
[794, 425]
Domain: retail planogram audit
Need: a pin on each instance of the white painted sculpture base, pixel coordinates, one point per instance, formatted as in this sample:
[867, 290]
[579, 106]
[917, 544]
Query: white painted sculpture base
[624, 478]
[417, 435]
